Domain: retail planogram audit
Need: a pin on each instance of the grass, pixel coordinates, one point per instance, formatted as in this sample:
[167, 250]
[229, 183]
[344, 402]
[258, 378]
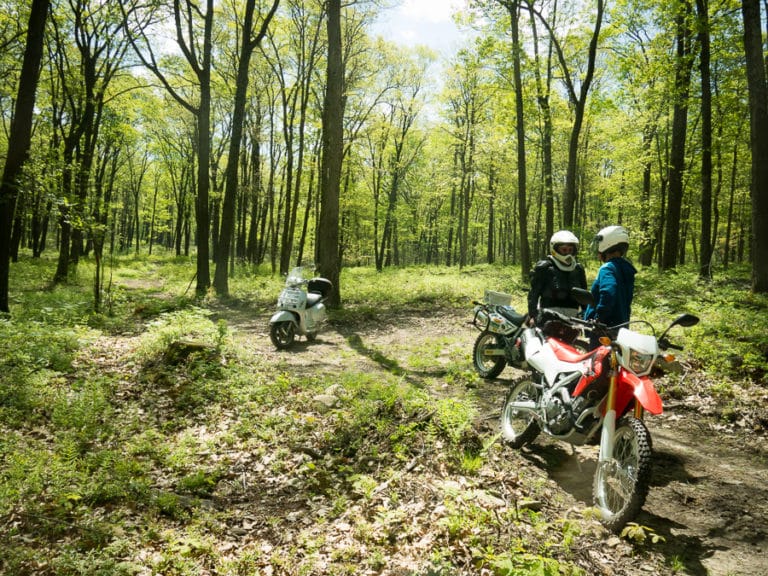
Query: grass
[120, 459]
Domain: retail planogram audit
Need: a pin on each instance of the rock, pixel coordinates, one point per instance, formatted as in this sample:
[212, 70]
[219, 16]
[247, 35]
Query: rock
[487, 500]
[325, 402]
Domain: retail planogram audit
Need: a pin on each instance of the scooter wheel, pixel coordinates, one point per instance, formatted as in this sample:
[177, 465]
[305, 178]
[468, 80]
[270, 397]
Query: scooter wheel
[282, 334]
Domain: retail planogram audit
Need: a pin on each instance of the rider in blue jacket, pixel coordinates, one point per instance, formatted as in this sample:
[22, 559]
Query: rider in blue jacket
[615, 283]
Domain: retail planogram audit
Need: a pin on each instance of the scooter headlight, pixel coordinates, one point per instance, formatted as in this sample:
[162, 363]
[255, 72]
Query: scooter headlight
[640, 363]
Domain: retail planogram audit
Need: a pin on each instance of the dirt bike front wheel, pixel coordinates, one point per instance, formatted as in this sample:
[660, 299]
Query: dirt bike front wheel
[282, 334]
[621, 484]
[518, 424]
[487, 366]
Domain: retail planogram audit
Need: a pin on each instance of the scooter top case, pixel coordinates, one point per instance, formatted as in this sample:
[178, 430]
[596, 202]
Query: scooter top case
[320, 286]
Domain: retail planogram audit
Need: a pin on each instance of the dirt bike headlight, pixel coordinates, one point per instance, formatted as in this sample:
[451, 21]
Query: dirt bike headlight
[640, 363]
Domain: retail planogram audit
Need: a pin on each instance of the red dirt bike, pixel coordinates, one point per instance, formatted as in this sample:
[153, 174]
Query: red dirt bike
[603, 394]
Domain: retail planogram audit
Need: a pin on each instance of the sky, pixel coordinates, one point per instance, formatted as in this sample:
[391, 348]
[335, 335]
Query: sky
[425, 22]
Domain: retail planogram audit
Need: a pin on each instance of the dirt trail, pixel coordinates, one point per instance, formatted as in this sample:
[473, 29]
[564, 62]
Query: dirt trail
[709, 495]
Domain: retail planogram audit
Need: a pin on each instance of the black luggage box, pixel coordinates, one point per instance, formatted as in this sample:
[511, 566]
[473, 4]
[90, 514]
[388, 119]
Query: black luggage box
[320, 286]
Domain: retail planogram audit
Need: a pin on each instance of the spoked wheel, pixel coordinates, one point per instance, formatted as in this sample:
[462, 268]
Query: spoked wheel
[518, 424]
[282, 334]
[621, 484]
[488, 366]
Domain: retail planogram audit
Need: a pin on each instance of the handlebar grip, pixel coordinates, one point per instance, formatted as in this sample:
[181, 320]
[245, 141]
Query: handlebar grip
[665, 344]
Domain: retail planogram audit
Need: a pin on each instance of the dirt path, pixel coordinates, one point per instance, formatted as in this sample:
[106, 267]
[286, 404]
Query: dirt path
[709, 496]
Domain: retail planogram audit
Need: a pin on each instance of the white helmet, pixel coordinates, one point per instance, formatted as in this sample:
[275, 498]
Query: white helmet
[612, 238]
[568, 261]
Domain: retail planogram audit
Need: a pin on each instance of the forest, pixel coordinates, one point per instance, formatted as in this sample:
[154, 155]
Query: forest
[203, 128]
[166, 163]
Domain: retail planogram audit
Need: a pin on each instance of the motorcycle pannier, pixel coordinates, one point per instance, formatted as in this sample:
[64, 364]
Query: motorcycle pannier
[320, 286]
[497, 298]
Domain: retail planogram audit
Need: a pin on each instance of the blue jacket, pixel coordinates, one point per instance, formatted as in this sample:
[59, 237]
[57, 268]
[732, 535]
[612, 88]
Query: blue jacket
[612, 290]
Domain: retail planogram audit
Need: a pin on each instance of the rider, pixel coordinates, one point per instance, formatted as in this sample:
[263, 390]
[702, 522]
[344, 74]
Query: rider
[614, 286]
[553, 277]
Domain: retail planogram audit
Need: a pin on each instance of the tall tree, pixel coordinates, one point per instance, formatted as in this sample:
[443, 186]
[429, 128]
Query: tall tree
[705, 250]
[681, 95]
[513, 7]
[470, 96]
[333, 152]
[20, 137]
[758, 112]
[89, 52]
[193, 27]
[249, 44]
[543, 89]
[294, 62]
[579, 104]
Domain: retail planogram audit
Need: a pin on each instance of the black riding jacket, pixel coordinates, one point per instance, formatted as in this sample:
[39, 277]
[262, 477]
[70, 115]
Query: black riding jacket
[551, 287]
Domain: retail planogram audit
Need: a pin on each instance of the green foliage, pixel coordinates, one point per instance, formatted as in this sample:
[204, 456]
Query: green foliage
[122, 461]
[199, 483]
[731, 341]
[192, 324]
[425, 287]
[530, 565]
[641, 534]
[27, 347]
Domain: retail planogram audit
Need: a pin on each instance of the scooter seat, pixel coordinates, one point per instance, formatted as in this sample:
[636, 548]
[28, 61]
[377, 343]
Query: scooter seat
[567, 353]
[313, 298]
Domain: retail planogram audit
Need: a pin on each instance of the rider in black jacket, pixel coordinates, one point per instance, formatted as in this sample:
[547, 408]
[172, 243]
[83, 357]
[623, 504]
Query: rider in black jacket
[553, 277]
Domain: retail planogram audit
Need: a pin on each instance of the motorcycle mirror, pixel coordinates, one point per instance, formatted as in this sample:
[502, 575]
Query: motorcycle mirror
[583, 297]
[686, 320]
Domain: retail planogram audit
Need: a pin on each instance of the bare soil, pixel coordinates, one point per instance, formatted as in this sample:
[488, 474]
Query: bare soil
[709, 495]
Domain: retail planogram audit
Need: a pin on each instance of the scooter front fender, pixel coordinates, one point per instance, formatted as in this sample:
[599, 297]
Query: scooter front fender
[642, 388]
[284, 316]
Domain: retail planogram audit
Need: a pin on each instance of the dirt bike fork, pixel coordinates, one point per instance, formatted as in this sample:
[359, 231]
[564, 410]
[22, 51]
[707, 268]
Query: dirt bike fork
[608, 433]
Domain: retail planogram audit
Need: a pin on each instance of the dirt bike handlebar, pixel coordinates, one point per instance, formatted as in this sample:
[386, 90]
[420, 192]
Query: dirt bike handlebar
[665, 344]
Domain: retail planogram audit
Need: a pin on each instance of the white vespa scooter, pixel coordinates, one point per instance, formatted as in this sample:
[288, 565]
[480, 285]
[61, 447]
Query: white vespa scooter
[299, 312]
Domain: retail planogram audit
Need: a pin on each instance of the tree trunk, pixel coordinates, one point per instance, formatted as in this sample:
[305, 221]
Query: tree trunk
[522, 209]
[333, 151]
[221, 274]
[705, 255]
[758, 111]
[204, 156]
[684, 64]
[491, 244]
[542, 90]
[579, 103]
[20, 137]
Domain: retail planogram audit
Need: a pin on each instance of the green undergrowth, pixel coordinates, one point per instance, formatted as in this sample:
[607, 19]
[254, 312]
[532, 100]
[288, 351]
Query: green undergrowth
[150, 438]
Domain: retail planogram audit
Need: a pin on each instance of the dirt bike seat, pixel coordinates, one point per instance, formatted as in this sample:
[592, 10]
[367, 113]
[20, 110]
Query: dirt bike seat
[509, 313]
[568, 353]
